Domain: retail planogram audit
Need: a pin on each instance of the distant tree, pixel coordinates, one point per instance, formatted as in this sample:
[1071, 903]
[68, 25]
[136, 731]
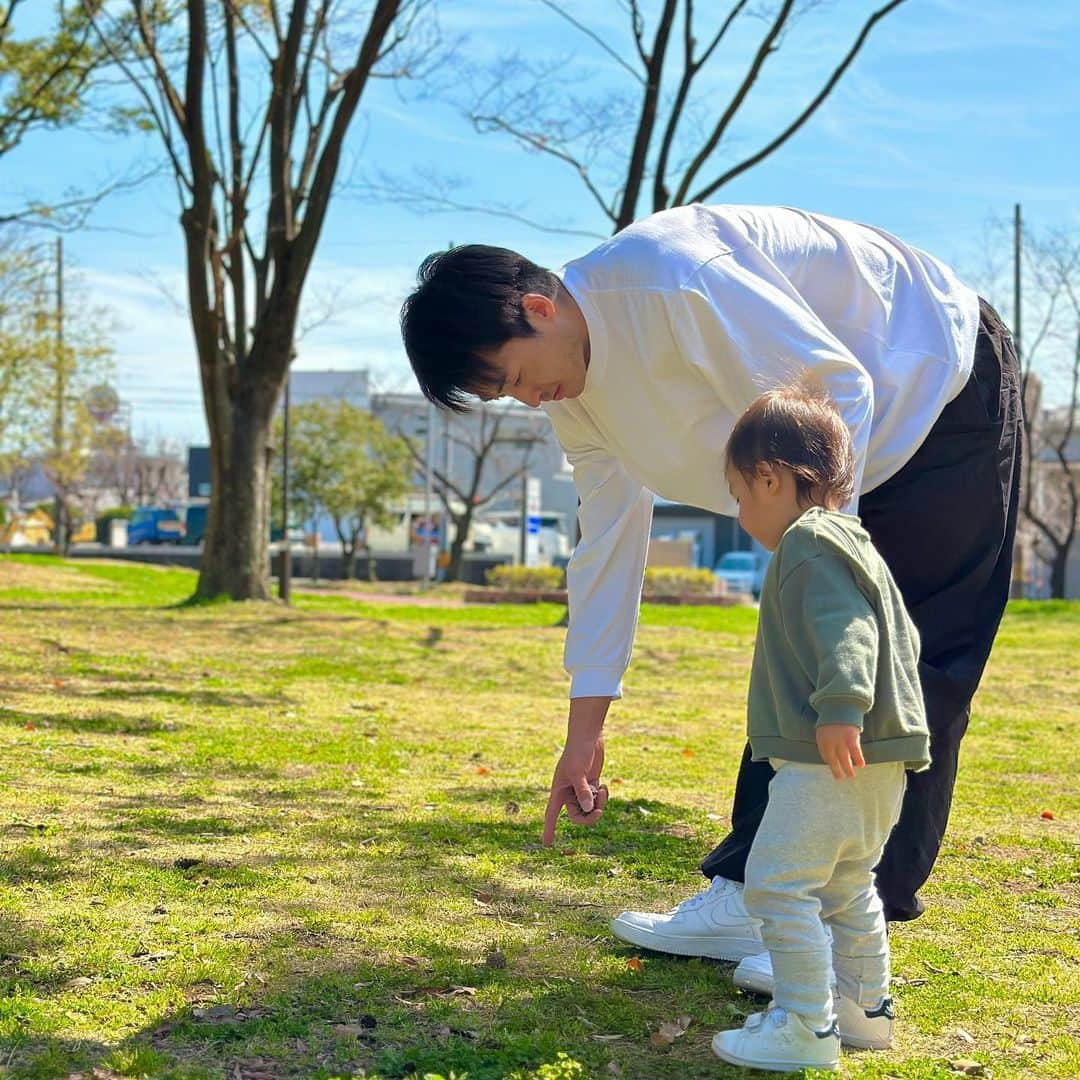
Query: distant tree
[1050, 377]
[45, 79]
[669, 136]
[344, 463]
[141, 472]
[252, 102]
[498, 450]
[1052, 401]
[48, 363]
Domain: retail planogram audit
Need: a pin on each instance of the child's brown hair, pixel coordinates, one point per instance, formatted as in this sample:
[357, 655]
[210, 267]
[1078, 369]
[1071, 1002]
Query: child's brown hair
[800, 428]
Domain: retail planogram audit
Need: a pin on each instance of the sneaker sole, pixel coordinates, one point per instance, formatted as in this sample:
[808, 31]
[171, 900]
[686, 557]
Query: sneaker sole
[712, 948]
[753, 982]
[772, 1066]
[854, 1043]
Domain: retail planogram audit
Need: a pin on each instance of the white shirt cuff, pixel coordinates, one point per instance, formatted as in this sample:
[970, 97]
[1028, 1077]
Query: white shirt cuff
[597, 682]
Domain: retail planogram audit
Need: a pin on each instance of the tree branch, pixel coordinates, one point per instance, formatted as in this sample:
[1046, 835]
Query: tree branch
[764, 50]
[594, 36]
[805, 115]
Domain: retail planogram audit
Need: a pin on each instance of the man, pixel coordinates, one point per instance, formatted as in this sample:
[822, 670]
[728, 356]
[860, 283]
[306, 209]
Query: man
[643, 353]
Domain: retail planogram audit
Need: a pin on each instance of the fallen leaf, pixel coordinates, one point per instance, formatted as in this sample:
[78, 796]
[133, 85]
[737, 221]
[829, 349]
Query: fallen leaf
[481, 770]
[1046, 815]
[634, 964]
[597, 1037]
[687, 752]
[967, 1037]
[29, 727]
[617, 780]
[409, 961]
[968, 1067]
[347, 1030]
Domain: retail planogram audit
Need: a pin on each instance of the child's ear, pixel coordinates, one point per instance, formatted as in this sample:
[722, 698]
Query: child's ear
[768, 472]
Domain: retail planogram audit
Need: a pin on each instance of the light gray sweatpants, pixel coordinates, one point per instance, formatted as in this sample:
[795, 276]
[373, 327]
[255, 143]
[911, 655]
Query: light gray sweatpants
[812, 860]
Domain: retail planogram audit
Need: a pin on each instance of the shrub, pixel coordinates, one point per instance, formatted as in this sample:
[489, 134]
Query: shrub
[519, 578]
[679, 581]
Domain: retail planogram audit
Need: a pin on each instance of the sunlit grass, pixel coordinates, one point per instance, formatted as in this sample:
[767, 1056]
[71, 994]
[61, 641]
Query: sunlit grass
[250, 841]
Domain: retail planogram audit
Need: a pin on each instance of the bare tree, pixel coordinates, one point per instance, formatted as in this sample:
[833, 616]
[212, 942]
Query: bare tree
[662, 142]
[254, 173]
[1051, 395]
[481, 439]
[1049, 354]
[141, 473]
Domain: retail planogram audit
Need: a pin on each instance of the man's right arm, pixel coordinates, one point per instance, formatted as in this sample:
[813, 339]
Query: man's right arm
[605, 573]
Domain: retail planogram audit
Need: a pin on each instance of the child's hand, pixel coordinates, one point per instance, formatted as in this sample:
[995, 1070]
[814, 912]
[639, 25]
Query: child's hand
[840, 749]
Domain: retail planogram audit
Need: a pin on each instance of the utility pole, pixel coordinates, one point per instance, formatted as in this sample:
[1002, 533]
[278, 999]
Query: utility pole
[59, 507]
[1016, 283]
[285, 569]
[427, 535]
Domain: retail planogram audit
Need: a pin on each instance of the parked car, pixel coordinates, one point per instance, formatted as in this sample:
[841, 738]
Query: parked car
[154, 525]
[742, 571]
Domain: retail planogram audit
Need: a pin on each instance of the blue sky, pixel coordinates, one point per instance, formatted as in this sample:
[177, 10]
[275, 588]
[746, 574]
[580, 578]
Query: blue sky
[952, 112]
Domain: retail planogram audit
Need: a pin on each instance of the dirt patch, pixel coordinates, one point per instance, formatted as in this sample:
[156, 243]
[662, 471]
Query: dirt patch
[18, 575]
[410, 600]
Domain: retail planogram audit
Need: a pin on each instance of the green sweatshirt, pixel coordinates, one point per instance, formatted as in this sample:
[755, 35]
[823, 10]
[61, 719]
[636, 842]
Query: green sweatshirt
[835, 645]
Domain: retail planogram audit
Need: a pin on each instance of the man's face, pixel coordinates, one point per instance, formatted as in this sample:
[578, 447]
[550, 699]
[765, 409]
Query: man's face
[548, 366]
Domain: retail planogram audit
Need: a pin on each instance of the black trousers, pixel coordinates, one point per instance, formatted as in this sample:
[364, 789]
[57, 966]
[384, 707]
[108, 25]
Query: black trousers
[945, 526]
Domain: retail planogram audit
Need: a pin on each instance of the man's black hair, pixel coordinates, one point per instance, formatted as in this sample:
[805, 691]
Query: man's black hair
[467, 302]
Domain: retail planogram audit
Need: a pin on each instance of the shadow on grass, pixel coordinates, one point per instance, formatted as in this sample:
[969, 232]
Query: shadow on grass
[330, 1000]
[203, 698]
[334, 1007]
[98, 724]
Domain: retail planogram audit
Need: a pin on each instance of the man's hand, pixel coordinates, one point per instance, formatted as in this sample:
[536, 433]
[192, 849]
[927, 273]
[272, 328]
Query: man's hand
[840, 749]
[576, 783]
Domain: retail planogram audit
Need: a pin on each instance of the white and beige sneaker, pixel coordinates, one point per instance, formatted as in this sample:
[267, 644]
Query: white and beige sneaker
[864, 1029]
[861, 1029]
[778, 1041]
[713, 924]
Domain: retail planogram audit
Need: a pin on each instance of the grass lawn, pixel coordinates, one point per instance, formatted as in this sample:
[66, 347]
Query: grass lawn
[251, 842]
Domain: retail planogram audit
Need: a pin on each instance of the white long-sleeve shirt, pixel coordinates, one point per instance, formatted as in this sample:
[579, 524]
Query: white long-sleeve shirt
[694, 312]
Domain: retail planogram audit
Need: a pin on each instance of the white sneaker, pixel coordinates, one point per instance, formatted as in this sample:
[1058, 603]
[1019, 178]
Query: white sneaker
[754, 974]
[778, 1041]
[714, 924]
[864, 1029]
[861, 1029]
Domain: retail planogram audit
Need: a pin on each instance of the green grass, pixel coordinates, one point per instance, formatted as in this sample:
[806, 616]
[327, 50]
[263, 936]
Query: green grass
[245, 841]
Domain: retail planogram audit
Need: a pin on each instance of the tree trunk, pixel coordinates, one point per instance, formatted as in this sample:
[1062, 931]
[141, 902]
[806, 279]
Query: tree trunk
[348, 552]
[457, 547]
[1058, 570]
[236, 560]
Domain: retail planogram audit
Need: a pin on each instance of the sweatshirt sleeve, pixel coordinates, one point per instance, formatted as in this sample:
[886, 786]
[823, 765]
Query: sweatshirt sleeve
[747, 330]
[605, 572]
[833, 632]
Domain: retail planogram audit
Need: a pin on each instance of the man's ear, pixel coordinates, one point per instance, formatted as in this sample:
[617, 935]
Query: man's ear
[539, 306]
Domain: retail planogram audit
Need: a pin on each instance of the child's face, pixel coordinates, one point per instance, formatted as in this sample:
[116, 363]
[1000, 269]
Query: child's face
[768, 502]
